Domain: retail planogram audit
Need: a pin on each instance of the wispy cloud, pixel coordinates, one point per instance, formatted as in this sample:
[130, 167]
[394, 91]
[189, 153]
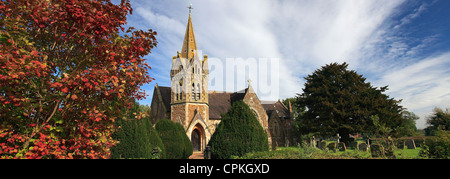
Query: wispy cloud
[422, 86]
[373, 36]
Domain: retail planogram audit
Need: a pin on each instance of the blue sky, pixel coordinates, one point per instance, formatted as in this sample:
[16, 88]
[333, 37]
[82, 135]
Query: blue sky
[403, 44]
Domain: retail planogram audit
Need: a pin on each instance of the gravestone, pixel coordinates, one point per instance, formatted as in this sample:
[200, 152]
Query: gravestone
[418, 142]
[322, 144]
[341, 146]
[332, 146]
[376, 150]
[362, 146]
[353, 145]
[410, 144]
[401, 144]
[313, 141]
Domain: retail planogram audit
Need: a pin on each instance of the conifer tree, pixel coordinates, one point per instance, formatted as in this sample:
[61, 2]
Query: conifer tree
[176, 142]
[137, 137]
[238, 133]
[339, 100]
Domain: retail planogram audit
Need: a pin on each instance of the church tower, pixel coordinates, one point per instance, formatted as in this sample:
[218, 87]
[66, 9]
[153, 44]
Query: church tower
[189, 83]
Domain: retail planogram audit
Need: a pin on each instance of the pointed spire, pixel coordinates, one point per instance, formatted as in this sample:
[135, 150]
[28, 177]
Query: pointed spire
[189, 44]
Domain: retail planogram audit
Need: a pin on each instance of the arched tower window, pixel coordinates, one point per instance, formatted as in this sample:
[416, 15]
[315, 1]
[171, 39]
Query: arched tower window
[198, 91]
[193, 91]
[178, 92]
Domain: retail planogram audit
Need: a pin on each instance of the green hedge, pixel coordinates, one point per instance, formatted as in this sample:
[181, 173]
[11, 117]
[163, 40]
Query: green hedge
[437, 146]
[238, 133]
[137, 138]
[175, 140]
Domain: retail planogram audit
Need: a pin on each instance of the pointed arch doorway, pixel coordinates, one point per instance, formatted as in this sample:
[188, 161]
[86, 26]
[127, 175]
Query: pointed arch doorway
[198, 138]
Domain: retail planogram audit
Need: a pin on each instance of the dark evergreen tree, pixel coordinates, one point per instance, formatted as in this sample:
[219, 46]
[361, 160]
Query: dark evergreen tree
[137, 137]
[238, 133]
[176, 142]
[438, 120]
[341, 101]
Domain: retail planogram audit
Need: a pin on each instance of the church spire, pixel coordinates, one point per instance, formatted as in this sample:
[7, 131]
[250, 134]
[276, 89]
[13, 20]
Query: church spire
[189, 44]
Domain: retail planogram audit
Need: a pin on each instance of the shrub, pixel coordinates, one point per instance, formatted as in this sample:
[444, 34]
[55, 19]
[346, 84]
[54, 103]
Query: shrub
[137, 138]
[238, 133]
[175, 140]
[437, 146]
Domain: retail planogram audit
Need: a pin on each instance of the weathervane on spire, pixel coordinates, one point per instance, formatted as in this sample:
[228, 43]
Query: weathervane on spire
[190, 7]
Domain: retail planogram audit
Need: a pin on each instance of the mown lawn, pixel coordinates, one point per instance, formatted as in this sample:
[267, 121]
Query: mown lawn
[308, 152]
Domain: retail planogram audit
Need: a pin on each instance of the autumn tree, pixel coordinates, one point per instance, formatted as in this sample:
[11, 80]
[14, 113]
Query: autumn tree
[338, 100]
[65, 72]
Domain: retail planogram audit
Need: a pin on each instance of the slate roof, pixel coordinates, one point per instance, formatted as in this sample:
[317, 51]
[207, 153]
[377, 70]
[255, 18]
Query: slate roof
[165, 93]
[275, 107]
[221, 102]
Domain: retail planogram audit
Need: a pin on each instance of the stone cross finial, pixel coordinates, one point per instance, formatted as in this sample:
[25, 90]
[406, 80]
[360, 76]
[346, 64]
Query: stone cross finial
[190, 7]
[338, 137]
[249, 81]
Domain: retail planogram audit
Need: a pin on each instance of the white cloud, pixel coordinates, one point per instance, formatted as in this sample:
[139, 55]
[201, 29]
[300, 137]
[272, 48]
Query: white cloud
[304, 35]
[422, 86]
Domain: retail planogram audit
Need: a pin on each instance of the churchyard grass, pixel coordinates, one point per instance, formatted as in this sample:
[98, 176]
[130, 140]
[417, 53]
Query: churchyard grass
[308, 152]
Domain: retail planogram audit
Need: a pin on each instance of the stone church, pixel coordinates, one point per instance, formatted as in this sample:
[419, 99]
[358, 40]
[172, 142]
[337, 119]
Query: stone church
[189, 102]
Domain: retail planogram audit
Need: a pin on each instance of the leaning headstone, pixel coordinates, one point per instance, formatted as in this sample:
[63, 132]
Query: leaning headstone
[362, 146]
[410, 144]
[321, 145]
[332, 146]
[376, 150]
[341, 146]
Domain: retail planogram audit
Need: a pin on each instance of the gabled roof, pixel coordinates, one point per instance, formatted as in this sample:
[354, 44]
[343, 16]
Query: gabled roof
[275, 107]
[221, 102]
[165, 94]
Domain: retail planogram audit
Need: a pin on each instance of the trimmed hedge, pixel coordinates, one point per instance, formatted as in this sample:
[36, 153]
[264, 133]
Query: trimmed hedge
[175, 140]
[238, 133]
[137, 138]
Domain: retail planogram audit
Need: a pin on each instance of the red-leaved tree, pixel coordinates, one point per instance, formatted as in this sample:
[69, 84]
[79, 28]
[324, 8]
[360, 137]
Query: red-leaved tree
[65, 73]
